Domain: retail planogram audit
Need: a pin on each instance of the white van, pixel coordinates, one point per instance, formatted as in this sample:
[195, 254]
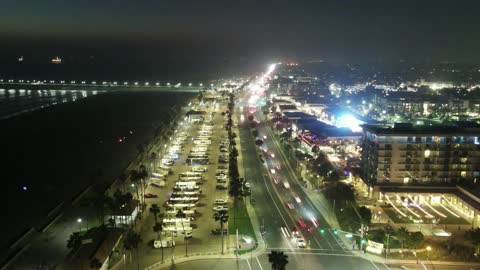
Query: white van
[199, 169]
[198, 154]
[204, 142]
[177, 228]
[190, 184]
[185, 193]
[163, 243]
[196, 179]
[182, 206]
[199, 149]
[186, 212]
[179, 221]
[187, 173]
[184, 199]
[165, 168]
[158, 175]
[167, 162]
[157, 182]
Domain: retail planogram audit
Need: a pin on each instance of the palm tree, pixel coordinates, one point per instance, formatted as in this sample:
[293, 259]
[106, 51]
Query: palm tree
[153, 157]
[182, 215]
[75, 241]
[135, 179]
[158, 229]
[402, 235]
[155, 210]
[278, 260]
[143, 175]
[222, 217]
[123, 180]
[100, 201]
[473, 236]
[95, 264]
[131, 241]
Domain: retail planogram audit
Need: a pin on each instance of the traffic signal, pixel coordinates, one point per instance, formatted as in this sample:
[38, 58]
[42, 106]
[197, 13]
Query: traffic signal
[322, 231]
[335, 231]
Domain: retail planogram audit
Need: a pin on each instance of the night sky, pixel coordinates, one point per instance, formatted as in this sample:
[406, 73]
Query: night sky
[329, 30]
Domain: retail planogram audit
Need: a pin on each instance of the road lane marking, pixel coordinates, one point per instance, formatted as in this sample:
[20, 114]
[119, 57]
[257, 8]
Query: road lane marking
[249, 266]
[259, 263]
[374, 265]
[292, 176]
[321, 254]
[338, 243]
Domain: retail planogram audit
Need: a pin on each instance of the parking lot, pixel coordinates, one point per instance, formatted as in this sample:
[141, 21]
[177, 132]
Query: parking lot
[210, 187]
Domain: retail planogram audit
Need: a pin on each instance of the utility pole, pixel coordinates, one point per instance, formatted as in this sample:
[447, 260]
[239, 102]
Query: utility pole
[362, 230]
[388, 247]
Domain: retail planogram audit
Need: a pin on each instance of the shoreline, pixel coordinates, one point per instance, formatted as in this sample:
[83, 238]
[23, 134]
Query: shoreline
[115, 161]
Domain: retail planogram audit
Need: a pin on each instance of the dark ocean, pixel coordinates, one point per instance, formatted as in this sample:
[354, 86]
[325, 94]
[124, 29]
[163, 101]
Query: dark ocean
[60, 140]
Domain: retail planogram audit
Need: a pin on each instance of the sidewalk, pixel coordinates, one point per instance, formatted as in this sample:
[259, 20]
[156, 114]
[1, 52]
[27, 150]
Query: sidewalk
[379, 259]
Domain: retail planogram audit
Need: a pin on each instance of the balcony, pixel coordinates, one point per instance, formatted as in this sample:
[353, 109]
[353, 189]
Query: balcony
[384, 154]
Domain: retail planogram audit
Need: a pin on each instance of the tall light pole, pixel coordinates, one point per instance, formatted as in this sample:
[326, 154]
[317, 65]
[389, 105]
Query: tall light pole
[428, 256]
[79, 221]
[386, 251]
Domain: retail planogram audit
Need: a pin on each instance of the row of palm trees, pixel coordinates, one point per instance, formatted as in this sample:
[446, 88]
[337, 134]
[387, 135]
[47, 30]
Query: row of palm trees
[237, 188]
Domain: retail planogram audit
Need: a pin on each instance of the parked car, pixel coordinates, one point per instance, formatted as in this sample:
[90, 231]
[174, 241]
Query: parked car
[220, 208]
[222, 185]
[199, 169]
[219, 231]
[220, 201]
[164, 243]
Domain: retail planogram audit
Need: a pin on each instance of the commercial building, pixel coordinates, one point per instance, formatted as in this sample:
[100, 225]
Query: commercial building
[418, 174]
[422, 154]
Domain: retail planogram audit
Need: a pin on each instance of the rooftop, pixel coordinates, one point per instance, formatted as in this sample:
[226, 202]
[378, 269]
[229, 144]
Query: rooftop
[458, 128]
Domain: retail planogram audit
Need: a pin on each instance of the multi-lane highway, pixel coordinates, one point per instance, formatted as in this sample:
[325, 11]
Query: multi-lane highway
[282, 206]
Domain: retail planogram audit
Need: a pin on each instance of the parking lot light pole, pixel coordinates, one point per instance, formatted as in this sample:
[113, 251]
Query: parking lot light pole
[386, 251]
[79, 221]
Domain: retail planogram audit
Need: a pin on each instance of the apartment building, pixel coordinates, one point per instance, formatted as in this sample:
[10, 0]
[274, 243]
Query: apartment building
[406, 154]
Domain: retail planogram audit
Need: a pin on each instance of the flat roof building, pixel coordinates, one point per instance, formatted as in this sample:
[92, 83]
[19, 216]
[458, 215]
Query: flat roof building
[422, 154]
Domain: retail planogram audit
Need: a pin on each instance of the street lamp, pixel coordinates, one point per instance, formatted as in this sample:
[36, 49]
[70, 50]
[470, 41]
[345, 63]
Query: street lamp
[386, 251]
[79, 221]
[428, 256]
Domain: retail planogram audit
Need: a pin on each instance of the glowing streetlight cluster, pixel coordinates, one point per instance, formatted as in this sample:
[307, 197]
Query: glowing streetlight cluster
[104, 83]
